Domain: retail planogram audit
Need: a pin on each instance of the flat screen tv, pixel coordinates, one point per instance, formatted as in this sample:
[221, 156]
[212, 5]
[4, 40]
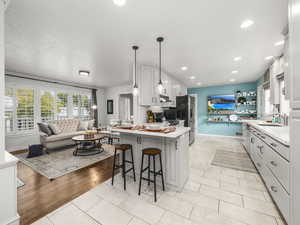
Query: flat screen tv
[221, 103]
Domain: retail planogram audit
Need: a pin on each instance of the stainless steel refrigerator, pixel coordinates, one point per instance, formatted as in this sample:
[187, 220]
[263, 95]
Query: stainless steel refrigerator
[185, 106]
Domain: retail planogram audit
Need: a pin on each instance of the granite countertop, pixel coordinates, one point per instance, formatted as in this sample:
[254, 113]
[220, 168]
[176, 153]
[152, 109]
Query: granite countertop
[178, 132]
[281, 134]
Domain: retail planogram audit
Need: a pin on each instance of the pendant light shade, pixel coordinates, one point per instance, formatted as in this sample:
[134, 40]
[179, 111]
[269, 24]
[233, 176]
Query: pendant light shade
[160, 87]
[135, 90]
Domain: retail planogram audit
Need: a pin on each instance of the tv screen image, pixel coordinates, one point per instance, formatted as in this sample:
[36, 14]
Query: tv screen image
[221, 103]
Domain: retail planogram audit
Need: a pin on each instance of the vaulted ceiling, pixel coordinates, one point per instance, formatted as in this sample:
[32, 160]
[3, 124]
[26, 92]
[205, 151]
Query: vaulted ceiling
[56, 38]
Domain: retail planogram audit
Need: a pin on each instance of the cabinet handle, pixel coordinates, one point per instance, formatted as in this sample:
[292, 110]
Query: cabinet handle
[273, 163]
[262, 136]
[252, 140]
[261, 151]
[273, 145]
[274, 189]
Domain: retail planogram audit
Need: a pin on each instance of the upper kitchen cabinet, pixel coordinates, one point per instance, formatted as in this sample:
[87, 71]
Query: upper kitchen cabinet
[294, 54]
[276, 70]
[148, 79]
[287, 79]
[146, 82]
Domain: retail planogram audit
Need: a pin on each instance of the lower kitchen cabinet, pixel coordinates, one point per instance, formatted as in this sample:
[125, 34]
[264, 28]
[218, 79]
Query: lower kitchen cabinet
[271, 159]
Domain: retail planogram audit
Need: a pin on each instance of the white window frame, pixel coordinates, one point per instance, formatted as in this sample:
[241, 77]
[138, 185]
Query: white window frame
[37, 87]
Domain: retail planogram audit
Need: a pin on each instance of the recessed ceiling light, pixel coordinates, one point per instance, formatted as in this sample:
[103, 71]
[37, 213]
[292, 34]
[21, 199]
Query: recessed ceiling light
[192, 77]
[119, 2]
[84, 73]
[269, 57]
[247, 23]
[238, 58]
[232, 80]
[234, 72]
[199, 83]
[184, 68]
[279, 43]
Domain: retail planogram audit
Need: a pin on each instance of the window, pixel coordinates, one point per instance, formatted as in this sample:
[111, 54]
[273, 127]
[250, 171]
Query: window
[284, 103]
[47, 106]
[9, 110]
[62, 106]
[85, 107]
[268, 107]
[76, 105]
[82, 107]
[24, 109]
[21, 115]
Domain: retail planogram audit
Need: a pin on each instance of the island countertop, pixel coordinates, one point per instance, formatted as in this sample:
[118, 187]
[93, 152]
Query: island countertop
[175, 134]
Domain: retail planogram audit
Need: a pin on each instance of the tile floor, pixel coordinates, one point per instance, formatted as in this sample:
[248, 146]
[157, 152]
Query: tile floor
[212, 196]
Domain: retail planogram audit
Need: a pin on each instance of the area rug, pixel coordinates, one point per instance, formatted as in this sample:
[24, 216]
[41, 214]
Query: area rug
[20, 183]
[59, 163]
[233, 160]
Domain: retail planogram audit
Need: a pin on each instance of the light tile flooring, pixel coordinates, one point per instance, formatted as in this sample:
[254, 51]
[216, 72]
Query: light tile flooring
[212, 196]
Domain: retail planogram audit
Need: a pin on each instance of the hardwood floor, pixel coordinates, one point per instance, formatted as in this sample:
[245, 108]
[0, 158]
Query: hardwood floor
[41, 196]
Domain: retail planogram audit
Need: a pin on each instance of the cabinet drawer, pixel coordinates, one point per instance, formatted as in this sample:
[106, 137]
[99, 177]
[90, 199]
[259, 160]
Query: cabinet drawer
[260, 149]
[280, 196]
[279, 167]
[258, 162]
[283, 150]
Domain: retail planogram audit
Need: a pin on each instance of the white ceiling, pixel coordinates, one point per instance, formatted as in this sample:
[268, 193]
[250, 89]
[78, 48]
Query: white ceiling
[56, 38]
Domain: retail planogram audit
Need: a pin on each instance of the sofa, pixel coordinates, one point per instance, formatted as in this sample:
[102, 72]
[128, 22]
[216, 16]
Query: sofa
[59, 133]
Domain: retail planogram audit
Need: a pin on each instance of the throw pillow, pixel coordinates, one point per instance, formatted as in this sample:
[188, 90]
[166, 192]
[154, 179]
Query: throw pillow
[44, 127]
[54, 128]
[83, 125]
[91, 124]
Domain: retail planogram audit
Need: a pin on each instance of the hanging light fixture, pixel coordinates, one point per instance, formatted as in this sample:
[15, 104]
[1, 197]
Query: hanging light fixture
[160, 84]
[135, 86]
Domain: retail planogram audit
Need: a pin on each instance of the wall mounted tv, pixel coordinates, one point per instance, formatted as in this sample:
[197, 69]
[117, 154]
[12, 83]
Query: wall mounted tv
[221, 103]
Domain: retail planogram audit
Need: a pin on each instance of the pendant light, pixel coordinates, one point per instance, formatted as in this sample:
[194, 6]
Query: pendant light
[135, 86]
[160, 84]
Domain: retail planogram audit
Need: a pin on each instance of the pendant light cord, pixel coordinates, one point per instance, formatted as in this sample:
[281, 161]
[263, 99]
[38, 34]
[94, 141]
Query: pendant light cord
[160, 62]
[160, 40]
[135, 48]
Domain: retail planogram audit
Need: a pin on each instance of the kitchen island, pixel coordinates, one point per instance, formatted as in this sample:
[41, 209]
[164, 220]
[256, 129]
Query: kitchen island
[175, 152]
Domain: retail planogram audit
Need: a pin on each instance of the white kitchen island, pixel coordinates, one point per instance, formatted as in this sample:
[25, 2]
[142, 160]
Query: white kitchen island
[175, 153]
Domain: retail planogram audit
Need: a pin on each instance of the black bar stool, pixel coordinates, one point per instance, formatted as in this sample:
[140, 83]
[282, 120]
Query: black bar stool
[123, 148]
[151, 152]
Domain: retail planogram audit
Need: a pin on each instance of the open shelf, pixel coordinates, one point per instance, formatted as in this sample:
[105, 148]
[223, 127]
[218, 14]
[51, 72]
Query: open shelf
[221, 121]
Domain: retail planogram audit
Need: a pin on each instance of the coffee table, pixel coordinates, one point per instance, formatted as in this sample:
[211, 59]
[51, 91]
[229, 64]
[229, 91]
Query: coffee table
[88, 146]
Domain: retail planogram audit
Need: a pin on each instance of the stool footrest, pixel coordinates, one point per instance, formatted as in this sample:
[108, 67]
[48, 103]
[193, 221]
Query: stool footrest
[151, 171]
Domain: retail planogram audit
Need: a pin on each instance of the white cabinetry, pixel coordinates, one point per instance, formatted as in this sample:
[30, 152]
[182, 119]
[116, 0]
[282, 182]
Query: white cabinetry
[274, 167]
[294, 72]
[148, 78]
[146, 83]
[276, 69]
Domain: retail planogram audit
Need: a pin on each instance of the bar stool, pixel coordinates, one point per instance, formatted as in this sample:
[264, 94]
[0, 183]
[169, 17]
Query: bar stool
[151, 152]
[123, 148]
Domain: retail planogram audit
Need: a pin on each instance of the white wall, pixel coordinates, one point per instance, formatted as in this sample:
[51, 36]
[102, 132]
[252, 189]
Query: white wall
[113, 93]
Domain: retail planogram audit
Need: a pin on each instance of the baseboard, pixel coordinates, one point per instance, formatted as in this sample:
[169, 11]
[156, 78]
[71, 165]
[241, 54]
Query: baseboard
[14, 221]
[221, 136]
